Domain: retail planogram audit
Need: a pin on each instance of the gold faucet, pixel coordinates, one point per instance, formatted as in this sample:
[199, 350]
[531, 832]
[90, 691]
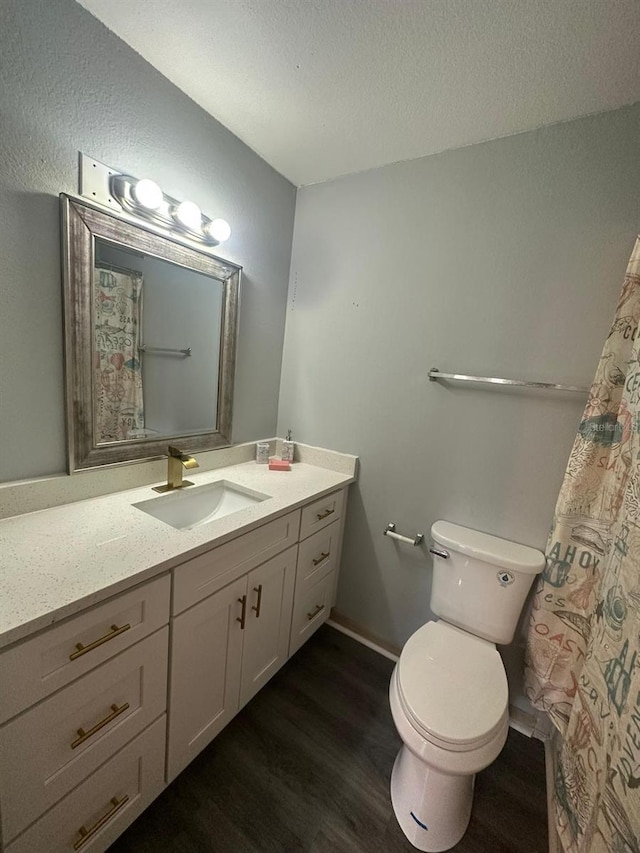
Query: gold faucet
[178, 460]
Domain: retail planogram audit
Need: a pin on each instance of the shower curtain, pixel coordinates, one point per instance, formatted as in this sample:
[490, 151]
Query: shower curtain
[119, 409]
[583, 646]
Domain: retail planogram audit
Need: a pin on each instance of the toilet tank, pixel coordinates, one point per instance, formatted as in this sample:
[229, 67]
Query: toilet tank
[482, 583]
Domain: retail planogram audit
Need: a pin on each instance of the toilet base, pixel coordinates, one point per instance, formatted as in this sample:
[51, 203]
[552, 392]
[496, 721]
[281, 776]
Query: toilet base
[432, 808]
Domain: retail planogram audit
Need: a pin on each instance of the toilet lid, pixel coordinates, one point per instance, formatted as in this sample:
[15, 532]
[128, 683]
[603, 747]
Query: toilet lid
[453, 684]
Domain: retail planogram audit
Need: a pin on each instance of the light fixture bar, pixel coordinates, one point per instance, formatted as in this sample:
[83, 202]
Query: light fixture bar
[143, 198]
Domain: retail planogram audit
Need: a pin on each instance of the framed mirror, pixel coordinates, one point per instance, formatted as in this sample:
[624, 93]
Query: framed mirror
[150, 340]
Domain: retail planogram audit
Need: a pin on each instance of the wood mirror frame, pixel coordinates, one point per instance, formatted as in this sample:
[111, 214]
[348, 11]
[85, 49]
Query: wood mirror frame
[81, 225]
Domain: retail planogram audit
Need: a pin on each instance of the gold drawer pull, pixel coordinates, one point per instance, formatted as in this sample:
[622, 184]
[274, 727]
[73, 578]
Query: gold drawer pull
[322, 557]
[115, 712]
[314, 613]
[258, 603]
[85, 834]
[114, 632]
[242, 619]
[327, 512]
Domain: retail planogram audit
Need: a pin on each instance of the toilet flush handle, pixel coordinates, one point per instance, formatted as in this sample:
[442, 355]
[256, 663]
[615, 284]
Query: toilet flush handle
[439, 553]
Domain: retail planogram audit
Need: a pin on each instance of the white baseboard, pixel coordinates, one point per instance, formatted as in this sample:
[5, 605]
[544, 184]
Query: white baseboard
[360, 639]
[521, 721]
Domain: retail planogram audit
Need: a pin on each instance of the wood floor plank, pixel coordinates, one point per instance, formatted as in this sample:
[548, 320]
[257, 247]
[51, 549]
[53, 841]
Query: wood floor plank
[305, 768]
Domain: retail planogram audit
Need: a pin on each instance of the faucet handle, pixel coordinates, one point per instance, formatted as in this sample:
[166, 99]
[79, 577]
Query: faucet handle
[175, 451]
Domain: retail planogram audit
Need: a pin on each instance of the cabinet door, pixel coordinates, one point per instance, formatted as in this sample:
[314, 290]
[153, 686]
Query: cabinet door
[205, 673]
[266, 640]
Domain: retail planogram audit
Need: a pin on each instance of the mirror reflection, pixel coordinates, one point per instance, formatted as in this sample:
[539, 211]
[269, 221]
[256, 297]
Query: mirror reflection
[157, 330]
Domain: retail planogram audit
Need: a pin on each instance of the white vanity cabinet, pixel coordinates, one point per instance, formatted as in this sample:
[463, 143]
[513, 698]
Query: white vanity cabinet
[85, 745]
[66, 761]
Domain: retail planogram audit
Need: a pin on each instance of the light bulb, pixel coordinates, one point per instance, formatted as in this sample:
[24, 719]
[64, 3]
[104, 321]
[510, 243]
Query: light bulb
[219, 230]
[148, 194]
[188, 214]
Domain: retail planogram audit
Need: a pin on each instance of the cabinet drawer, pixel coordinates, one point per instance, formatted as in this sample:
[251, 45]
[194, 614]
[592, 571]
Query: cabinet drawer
[52, 659]
[103, 806]
[320, 513]
[204, 575]
[310, 610]
[317, 556]
[54, 746]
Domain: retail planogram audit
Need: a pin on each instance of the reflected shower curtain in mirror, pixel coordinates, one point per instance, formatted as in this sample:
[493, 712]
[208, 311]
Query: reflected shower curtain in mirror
[583, 646]
[117, 370]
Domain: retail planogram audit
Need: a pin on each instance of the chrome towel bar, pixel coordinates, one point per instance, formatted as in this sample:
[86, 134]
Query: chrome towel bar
[435, 375]
[390, 530]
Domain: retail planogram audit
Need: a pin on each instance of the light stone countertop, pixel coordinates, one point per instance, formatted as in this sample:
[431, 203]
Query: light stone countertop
[56, 562]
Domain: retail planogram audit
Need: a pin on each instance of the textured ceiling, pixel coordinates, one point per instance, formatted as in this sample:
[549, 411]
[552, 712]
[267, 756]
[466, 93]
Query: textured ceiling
[320, 88]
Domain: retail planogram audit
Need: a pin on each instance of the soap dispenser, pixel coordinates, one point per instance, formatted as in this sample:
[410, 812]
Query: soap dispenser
[287, 448]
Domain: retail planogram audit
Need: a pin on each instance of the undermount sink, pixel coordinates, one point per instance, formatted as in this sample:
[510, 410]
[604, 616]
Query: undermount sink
[197, 505]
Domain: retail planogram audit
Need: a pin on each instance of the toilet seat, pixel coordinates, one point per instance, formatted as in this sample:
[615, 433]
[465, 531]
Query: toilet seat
[452, 687]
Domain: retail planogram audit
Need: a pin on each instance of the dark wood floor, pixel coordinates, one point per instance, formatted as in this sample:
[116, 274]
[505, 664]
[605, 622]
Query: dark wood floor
[305, 768]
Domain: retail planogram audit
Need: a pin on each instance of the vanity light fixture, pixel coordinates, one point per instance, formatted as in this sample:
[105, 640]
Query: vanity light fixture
[144, 198]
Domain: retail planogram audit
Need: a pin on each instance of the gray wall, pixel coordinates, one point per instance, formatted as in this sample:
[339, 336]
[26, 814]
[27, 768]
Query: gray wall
[66, 85]
[500, 259]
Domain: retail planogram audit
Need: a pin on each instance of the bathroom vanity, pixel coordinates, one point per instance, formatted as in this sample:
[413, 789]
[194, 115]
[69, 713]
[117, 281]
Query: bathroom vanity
[126, 644]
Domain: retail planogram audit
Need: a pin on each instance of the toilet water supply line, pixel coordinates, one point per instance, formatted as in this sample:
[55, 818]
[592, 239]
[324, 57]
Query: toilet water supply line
[390, 531]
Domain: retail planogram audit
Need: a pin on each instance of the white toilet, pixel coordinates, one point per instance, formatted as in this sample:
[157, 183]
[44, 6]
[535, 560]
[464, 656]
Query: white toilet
[448, 691]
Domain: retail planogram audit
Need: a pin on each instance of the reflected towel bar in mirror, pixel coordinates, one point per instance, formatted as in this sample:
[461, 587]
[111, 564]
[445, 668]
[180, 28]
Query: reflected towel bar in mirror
[435, 375]
[186, 351]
